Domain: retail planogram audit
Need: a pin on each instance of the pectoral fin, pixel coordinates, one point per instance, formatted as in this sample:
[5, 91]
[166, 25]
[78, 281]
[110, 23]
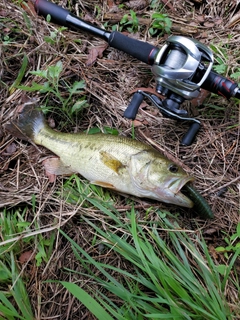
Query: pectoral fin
[55, 166]
[110, 161]
[104, 184]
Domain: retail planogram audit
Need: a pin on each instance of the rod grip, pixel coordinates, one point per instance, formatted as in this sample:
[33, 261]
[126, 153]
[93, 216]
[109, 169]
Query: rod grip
[57, 13]
[218, 84]
[143, 51]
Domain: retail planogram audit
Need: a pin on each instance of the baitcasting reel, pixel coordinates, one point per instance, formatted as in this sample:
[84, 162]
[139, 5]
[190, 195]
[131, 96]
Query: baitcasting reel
[175, 67]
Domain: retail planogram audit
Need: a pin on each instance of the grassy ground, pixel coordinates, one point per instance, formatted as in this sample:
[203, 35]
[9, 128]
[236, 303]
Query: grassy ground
[70, 250]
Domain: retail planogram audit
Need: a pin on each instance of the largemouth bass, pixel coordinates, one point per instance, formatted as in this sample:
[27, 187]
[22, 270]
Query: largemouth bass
[115, 162]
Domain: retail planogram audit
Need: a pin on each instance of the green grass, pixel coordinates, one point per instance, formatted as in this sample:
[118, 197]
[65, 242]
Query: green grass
[232, 243]
[77, 191]
[18, 236]
[173, 279]
[160, 25]
[71, 103]
[130, 22]
[169, 275]
[14, 299]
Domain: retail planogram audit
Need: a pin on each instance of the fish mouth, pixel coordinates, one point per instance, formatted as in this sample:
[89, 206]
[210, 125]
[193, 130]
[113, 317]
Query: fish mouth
[174, 187]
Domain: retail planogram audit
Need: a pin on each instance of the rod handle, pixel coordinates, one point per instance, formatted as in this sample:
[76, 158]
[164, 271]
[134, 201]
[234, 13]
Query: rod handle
[143, 51]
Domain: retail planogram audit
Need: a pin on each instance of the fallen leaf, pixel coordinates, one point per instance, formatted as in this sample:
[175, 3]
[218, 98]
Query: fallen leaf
[204, 34]
[234, 20]
[169, 5]
[137, 123]
[137, 4]
[200, 18]
[11, 148]
[110, 3]
[6, 30]
[213, 252]
[209, 24]
[94, 53]
[87, 17]
[51, 177]
[218, 21]
[210, 231]
[3, 13]
[25, 256]
[29, 8]
[197, 102]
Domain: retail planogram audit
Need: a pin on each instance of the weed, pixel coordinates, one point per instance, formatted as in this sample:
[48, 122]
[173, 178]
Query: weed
[88, 301]
[105, 129]
[130, 22]
[232, 242]
[16, 237]
[20, 75]
[161, 24]
[98, 12]
[236, 76]
[156, 5]
[7, 40]
[51, 75]
[54, 38]
[221, 59]
[13, 294]
[44, 248]
[133, 130]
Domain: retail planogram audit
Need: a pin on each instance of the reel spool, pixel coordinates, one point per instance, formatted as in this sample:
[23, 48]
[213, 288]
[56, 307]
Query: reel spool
[177, 62]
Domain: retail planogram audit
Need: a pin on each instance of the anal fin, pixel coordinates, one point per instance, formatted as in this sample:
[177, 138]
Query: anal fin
[104, 184]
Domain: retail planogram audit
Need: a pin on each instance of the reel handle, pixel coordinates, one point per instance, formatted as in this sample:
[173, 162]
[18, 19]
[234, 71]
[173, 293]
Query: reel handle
[132, 109]
[190, 134]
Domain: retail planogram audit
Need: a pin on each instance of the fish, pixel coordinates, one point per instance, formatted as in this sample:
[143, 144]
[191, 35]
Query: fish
[118, 163]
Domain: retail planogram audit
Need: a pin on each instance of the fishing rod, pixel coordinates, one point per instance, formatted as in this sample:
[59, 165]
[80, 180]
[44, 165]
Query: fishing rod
[181, 67]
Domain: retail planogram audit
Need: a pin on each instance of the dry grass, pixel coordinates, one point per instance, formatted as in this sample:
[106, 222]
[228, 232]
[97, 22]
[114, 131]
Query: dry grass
[214, 159]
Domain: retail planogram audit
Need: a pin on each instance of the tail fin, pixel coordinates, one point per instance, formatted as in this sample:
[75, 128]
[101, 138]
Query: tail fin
[30, 121]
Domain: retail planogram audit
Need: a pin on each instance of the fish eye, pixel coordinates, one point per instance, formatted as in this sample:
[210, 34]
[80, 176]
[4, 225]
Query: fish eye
[173, 168]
